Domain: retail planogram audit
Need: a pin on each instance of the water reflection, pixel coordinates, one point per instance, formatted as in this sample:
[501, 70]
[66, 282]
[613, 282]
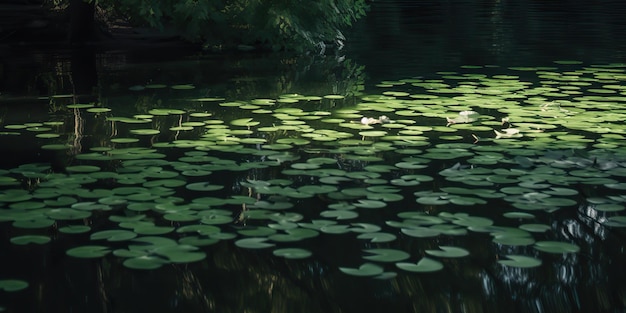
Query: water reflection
[421, 37]
[400, 39]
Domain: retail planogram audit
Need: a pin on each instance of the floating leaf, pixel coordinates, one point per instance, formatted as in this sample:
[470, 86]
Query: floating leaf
[377, 237]
[253, 243]
[421, 232]
[556, 247]
[145, 262]
[292, 253]
[74, 229]
[89, 251]
[113, 235]
[11, 285]
[386, 255]
[34, 223]
[30, 239]
[537, 228]
[366, 269]
[424, 265]
[204, 187]
[520, 261]
[180, 253]
[448, 252]
[339, 214]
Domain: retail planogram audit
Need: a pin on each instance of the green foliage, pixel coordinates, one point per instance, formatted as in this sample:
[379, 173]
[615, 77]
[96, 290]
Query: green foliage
[279, 24]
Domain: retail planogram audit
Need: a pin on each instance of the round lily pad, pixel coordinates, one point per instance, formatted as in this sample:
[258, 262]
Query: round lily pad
[204, 187]
[145, 262]
[82, 168]
[74, 229]
[520, 261]
[386, 255]
[448, 252]
[11, 285]
[30, 239]
[557, 247]
[253, 243]
[424, 265]
[366, 269]
[34, 223]
[377, 237]
[292, 253]
[89, 251]
[113, 235]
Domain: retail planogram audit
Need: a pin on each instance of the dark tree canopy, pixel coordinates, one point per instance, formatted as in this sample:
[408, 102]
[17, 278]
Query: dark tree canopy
[267, 24]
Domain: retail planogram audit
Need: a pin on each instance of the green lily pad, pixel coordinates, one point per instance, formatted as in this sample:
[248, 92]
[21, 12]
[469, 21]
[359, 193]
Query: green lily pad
[204, 187]
[425, 265]
[448, 252]
[366, 269]
[536, 228]
[519, 215]
[377, 237]
[339, 214]
[253, 243]
[257, 231]
[513, 239]
[180, 253]
[421, 232]
[30, 239]
[74, 229]
[34, 223]
[521, 261]
[113, 235]
[67, 214]
[556, 247]
[11, 285]
[294, 234]
[88, 252]
[152, 230]
[145, 262]
[609, 207]
[82, 168]
[386, 255]
[370, 204]
[292, 253]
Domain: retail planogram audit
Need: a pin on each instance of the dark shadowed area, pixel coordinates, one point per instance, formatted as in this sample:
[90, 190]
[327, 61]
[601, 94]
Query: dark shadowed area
[451, 156]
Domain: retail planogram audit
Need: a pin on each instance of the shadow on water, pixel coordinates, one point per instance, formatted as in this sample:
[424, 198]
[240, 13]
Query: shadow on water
[398, 39]
[401, 39]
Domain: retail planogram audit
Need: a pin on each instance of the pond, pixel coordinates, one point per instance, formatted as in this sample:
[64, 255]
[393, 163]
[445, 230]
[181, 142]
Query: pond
[452, 157]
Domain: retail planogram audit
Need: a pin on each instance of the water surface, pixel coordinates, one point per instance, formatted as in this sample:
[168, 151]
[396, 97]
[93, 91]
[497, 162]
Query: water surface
[425, 43]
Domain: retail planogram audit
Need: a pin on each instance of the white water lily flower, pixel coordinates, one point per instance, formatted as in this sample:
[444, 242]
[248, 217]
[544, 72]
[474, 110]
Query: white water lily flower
[467, 116]
[508, 133]
[370, 120]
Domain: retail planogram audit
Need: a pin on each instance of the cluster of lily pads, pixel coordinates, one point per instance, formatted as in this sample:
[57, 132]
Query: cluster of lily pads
[422, 155]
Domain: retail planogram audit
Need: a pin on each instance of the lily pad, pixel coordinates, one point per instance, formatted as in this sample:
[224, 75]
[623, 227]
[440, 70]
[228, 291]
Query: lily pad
[386, 255]
[145, 262]
[366, 269]
[30, 239]
[425, 265]
[520, 261]
[88, 252]
[292, 253]
[204, 187]
[113, 235]
[556, 247]
[377, 237]
[253, 243]
[11, 285]
[448, 252]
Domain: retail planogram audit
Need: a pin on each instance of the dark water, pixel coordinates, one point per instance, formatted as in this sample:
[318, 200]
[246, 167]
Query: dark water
[398, 39]
[402, 38]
